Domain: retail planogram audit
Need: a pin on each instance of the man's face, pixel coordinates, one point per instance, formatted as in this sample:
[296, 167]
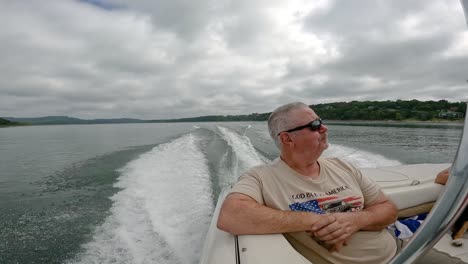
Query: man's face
[308, 143]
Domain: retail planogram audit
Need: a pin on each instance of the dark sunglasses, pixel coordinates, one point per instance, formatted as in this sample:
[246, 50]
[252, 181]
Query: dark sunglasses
[314, 125]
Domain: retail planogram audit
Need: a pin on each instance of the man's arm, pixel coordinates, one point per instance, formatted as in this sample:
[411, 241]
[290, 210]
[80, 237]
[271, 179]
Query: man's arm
[242, 215]
[376, 216]
[442, 176]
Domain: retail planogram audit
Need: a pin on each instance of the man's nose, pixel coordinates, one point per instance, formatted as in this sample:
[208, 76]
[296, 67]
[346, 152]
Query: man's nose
[323, 128]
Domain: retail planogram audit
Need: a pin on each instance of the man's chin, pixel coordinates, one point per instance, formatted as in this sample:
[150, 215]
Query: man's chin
[325, 144]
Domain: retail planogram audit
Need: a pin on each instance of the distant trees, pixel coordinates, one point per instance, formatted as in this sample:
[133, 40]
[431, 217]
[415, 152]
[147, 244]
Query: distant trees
[4, 122]
[355, 110]
[219, 118]
[391, 110]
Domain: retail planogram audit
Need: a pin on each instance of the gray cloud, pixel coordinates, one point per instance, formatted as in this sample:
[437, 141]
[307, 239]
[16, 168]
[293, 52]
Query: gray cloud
[169, 59]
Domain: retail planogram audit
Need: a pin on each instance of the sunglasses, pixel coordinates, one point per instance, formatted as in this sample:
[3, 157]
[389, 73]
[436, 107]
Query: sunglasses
[314, 125]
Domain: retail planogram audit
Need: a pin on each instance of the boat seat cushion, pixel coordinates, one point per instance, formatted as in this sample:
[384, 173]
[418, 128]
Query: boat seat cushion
[415, 210]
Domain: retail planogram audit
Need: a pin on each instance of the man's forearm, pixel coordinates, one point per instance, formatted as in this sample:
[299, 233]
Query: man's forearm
[374, 217]
[248, 217]
[377, 217]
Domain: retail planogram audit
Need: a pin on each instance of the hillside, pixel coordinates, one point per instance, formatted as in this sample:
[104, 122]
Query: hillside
[366, 110]
[4, 122]
[399, 110]
[65, 120]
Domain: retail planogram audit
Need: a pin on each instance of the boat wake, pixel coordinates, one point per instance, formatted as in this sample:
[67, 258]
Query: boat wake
[162, 212]
[359, 158]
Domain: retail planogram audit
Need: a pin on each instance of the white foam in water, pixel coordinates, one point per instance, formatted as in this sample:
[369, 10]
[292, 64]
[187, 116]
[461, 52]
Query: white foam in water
[162, 212]
[249, 157]
[243, 148]
[359, 158]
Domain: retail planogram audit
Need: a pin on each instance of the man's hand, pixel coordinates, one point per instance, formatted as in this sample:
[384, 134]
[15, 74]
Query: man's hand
[335, 228]
[376, 216]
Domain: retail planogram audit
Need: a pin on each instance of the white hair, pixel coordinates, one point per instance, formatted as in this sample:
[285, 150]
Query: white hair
[281, 120]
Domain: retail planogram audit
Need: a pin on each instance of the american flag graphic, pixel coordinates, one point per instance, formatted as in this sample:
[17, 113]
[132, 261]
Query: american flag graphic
[330, 204]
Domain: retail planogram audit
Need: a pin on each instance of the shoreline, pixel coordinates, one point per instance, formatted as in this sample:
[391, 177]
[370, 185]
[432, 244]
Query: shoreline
[454, 122]
[400, 123]
[406, 123]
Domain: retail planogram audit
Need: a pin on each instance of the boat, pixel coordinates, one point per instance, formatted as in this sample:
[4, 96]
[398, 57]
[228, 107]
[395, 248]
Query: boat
[411, 187]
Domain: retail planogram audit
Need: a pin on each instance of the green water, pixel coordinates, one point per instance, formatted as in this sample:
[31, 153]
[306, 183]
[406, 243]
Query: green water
[57, 182]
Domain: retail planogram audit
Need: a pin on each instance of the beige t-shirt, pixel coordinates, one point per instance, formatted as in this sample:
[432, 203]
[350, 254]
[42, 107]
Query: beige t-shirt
[340, 188]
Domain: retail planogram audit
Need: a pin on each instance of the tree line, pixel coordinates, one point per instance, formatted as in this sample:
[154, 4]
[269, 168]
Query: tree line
[355, 110]
[360, 110]
[392, 110]
[4, 122]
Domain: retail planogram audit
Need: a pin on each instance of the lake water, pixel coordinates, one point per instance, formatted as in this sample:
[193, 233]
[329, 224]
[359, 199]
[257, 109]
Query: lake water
[145, 193]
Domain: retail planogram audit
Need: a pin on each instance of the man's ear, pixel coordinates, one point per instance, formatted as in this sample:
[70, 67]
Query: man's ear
[285, 138]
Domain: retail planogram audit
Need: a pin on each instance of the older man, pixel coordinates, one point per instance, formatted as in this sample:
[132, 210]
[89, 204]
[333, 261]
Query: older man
[326, 208]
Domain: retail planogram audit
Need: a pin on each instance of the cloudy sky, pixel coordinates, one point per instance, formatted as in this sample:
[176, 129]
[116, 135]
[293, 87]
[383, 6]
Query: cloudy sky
[154, 59]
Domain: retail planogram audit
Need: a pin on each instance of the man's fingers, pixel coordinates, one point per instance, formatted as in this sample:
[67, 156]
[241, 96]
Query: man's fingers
[330, 234]
[340, 239]
[324, 221]
[337, 246]
[335, 227]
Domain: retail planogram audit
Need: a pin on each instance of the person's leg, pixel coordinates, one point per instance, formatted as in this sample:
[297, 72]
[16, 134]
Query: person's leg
[457, 236]
[459, 228]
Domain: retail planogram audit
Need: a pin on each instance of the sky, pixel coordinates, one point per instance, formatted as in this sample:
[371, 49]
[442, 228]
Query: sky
[178, 58]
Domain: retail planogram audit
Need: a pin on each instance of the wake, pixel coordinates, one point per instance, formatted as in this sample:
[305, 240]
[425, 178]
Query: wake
[162, 212]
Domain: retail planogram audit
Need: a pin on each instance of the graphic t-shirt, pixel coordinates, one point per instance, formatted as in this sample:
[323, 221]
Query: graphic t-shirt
[339, 188]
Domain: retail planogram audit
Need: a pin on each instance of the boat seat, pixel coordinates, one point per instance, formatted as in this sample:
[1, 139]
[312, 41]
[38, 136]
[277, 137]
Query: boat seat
[415, 210]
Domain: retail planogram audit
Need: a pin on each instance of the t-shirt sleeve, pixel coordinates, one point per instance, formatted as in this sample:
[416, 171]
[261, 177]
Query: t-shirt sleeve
[369, 188]
[249, 184]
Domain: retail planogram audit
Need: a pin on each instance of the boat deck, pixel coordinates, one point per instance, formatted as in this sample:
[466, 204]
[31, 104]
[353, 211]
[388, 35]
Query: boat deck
[445, 245]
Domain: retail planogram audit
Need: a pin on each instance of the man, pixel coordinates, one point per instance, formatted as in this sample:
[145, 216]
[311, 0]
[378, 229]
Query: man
[325, 207]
